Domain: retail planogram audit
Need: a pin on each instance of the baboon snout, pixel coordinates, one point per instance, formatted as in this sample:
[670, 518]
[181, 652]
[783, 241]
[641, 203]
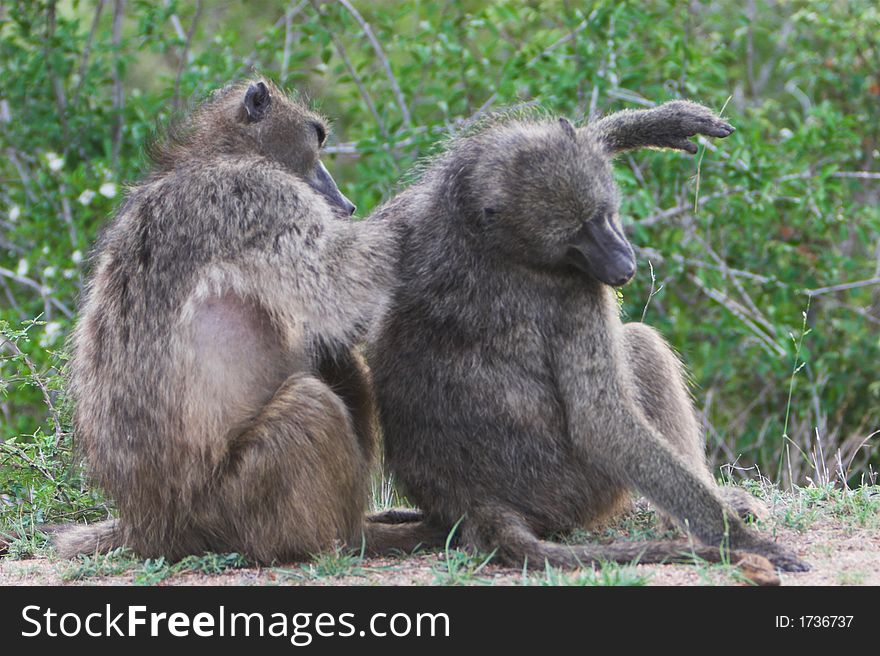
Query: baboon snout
[323, 183]
[601, 250]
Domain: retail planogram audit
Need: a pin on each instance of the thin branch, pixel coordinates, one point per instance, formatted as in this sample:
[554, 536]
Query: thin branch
[862, 175]
[12, 302]
[87, 51]
[42, 289]
[571, 36]
[842, 287]
[722, 264]
[67, 213]
[395, 87]
[248, 62]
[22, 172]
[651, 293]
[184, 56]
[57, 87]
[118, 93]
[741, 313]
[365, 95]
[288, 38]
[681, 208]
[38, 381]
[684, 207]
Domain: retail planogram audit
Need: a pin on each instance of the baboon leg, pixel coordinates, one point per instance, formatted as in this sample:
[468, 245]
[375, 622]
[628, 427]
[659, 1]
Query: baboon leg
[666, 402]
[295, 482]
[499, 530]
[662, 393]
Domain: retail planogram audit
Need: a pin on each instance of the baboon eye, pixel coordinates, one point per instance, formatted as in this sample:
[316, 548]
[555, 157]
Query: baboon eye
[321, 132]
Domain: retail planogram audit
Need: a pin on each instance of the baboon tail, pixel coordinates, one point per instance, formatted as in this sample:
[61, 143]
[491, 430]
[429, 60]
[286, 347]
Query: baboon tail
[397, 516]
[516, 544]
[406, 536]
[75, 539]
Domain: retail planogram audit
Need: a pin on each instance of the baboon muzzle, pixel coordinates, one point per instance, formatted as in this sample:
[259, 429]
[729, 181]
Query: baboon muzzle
[323, 183]
[601, 250]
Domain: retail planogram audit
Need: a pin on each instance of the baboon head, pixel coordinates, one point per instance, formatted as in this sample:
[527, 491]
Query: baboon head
[548, 197]
[256, 118]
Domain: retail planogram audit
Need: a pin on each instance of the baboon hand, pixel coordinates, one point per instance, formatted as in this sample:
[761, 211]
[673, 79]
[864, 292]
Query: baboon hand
[681, 119]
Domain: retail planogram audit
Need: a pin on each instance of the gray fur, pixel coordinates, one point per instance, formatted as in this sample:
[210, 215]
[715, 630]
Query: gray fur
[510, 393]
[218, 396]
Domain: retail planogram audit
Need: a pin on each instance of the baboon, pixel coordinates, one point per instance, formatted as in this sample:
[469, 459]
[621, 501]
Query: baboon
[219, 398]
[511, 396]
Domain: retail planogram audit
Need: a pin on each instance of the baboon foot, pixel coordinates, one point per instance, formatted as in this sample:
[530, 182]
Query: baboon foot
[745, 505]
[781, 557]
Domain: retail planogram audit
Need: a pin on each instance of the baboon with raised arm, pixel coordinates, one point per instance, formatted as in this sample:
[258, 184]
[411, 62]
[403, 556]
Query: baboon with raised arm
[511, 396]
[218, 396]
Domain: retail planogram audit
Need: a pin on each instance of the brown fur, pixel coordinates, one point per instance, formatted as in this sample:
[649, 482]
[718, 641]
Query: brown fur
[218, 396]
[511, 395]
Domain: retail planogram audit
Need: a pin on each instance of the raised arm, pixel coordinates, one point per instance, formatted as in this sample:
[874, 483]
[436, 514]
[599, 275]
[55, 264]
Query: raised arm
[666, 126]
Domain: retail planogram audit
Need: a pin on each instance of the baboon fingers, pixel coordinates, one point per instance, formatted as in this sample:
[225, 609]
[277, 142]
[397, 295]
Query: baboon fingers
[686, 145]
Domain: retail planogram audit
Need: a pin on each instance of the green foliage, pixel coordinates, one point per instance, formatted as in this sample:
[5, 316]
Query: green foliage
[779, 209]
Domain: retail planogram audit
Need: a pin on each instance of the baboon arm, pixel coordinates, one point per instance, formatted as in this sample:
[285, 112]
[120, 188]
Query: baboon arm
[649, 465]
[666, 126]
[643, 459]
[347, 376]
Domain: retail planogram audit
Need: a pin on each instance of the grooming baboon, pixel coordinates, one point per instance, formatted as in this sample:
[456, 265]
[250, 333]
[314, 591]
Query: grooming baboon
[510, 393]
[218, 398]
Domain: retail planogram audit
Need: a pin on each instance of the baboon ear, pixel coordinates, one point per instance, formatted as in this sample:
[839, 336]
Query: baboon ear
[568, 128]
[256, 102]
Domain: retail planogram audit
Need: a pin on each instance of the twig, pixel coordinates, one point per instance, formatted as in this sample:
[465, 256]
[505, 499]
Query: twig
[57, 87]
[248, 61]
[38, 381]
[87, 51]
[700, 162]
[741, 313]
[862, 175]
[68, 216]
[184, 56]
[683, 207]
[13, 302]
[365, 26]
[842, 287]
[722, 265]
[288, 38]
[44, 291]
[22, 172]
[742, 189]
[558, 44]
[118, 94]
[365, 95]
[651, 293]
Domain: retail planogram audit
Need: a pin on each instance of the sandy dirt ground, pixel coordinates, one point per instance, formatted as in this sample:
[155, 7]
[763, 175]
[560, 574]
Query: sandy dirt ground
[840, 552]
